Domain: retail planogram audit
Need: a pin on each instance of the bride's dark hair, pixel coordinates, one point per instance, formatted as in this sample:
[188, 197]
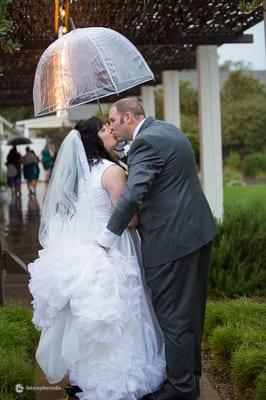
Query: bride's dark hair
[93, 144]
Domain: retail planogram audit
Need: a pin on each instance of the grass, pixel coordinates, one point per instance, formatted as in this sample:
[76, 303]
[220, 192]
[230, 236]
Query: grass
[236, 196]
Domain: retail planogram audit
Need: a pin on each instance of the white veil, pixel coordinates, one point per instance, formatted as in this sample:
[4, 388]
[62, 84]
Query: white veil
[59, 210]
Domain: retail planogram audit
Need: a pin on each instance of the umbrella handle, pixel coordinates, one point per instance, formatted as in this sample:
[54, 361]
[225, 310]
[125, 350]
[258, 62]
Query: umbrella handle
[100, 109]
[73, 26]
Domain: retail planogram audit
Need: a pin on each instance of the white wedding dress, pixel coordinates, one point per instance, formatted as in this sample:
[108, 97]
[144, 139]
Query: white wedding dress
[92, 307]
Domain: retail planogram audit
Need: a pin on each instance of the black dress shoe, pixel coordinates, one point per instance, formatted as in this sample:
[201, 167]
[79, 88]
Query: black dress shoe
[197, 389]
[72, 390]
[162, 394]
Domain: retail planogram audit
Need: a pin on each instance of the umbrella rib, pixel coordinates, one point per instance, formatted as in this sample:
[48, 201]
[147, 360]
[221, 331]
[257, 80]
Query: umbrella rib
[103, 60]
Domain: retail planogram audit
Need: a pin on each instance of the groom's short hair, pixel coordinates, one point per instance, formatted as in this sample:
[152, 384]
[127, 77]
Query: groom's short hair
[129, 105]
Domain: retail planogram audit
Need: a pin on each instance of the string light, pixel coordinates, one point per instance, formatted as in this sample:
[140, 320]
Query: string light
[61, 16]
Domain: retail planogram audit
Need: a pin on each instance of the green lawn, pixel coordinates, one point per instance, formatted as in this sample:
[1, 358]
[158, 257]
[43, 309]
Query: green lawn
[236, 196]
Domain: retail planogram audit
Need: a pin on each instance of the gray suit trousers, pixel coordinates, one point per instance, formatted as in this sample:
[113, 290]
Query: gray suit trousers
[179, 291]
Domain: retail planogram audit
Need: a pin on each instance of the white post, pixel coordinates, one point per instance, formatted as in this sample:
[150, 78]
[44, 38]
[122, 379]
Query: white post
[264, 13]
[148, 100]
[171, 100]
[210, 128]
[26, 131]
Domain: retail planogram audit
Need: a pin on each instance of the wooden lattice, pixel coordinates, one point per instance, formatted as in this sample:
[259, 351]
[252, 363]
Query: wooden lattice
[166, 32]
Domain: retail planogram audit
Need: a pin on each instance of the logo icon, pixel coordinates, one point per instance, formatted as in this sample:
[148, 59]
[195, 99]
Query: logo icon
[19, 388]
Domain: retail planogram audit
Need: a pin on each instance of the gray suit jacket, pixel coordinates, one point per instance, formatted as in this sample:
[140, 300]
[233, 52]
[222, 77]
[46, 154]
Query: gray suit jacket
[164, 189]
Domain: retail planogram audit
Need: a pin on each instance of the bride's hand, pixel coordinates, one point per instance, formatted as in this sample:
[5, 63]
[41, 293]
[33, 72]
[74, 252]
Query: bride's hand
[98, 244]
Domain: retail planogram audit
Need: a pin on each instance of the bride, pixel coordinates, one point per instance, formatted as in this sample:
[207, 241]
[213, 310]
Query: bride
[92, 307]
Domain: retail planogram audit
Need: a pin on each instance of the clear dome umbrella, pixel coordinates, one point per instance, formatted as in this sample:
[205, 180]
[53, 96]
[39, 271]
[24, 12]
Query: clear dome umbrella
[84, 65]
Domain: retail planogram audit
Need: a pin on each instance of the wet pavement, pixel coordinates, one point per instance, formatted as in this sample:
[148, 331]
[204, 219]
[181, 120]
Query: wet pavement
[19, 225]
[19, 222]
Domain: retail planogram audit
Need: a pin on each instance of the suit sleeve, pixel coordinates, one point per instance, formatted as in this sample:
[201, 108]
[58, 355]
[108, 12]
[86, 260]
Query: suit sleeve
[145, 163]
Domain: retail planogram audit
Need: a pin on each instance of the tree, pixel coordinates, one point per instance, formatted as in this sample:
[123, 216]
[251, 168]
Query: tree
[159, 104]
[230, 65]
[7, 45]
[14, 114]
[188, 106]
[247, 6]
[189, 113]
[241, 85]
[243, 100]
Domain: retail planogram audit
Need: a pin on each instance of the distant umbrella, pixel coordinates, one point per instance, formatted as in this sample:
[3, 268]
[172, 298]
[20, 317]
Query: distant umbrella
[85, 65]
[18, 140]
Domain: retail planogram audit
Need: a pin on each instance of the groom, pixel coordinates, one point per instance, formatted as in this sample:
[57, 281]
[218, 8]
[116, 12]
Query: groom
[176, 228]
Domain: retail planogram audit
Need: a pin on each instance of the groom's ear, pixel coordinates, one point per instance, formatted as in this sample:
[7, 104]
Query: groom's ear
[128, 117]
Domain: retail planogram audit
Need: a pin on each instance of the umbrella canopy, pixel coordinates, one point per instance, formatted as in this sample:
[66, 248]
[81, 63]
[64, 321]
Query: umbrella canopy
[85, 65]
[18, 140]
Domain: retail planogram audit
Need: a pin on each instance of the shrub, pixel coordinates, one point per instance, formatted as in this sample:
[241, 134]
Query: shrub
[16, 335]
[13, 370]
[7, 396]
[254, 163]
[226, 339]
[231, 177]
[241, 313]
[239, 253]
[233, 160]
[15, 313]
[18, 338]
[235, 332]
[15, 318]
[260, 386]
[247, 364]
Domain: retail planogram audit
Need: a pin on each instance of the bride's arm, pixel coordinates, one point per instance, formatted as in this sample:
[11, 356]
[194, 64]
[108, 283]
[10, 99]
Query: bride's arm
[113, 181]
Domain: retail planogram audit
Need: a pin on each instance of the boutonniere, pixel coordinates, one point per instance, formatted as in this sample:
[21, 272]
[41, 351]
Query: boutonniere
[127, 148]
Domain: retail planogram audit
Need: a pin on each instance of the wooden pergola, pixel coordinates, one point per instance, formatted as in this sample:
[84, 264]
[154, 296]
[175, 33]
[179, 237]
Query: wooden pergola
[171, 35]
[166, 32]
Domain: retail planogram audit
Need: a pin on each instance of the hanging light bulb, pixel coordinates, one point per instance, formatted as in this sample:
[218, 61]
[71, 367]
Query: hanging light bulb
[61, 16]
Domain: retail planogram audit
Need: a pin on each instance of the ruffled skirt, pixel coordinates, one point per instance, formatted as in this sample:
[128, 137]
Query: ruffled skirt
[97, 323]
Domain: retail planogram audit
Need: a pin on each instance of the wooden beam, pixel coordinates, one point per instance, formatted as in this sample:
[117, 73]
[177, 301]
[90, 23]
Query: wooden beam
[16, 94]
[11, 82]
[16, 102]
[17, 70]
[197, 40]
[177, 65]
[159, 41]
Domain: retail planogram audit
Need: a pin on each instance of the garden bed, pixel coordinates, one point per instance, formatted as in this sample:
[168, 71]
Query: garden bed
[234, 355]
[18, 339]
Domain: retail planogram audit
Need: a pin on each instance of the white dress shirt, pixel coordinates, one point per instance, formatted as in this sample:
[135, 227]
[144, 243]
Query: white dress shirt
[108, 238]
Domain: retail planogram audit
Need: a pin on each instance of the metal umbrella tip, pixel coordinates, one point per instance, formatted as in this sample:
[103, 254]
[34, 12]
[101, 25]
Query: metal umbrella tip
[73, 26]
